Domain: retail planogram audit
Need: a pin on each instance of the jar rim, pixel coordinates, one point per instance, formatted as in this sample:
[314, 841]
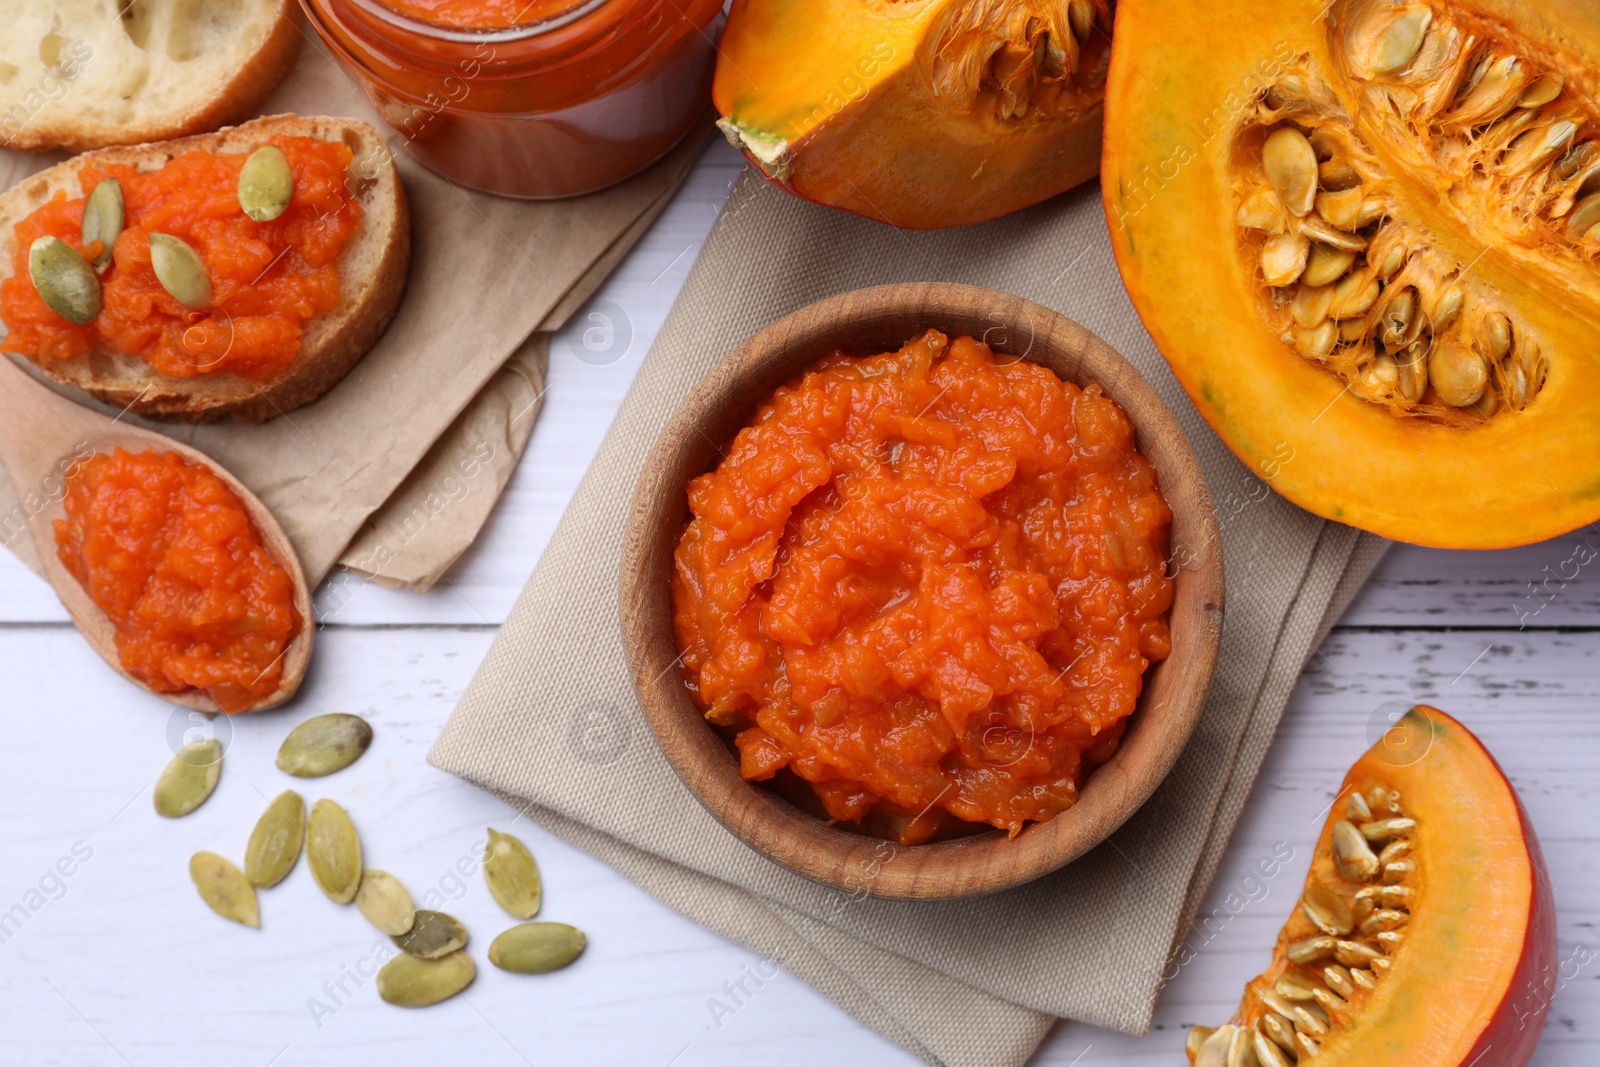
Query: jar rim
[521, 32]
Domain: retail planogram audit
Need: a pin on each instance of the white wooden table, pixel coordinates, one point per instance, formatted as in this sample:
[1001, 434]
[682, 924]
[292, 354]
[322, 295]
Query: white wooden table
[119, 962]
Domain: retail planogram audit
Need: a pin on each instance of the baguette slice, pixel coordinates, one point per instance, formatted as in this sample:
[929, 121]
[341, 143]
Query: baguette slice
[81, 74]
[372, 275]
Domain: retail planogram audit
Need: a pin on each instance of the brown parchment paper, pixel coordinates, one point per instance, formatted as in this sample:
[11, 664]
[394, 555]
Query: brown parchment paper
[485, 273]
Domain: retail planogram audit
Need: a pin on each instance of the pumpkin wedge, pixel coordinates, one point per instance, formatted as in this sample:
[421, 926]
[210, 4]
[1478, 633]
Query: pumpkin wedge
[919, 113]
[1366, 237]
[1425, 935]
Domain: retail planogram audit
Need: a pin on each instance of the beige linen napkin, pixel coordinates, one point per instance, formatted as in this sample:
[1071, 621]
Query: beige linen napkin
[552, 724]
[430, 399]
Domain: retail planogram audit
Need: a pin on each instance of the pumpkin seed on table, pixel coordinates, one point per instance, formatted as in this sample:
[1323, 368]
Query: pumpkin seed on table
[410, 982]
[385, 903]
[334, 851]
[225, 889]
[323, 745]
[180, 271]
[433, 934]
[266, 184]
[103, 216]
[189, 778]
[275, 842]
[64, 280]
[512, 875]
[534, 948]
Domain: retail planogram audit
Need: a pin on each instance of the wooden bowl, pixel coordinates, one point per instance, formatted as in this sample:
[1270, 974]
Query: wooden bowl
[877, 320]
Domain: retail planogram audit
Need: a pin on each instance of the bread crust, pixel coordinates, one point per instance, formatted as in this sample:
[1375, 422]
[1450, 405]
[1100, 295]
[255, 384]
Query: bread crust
[234, 101]
[372, 278]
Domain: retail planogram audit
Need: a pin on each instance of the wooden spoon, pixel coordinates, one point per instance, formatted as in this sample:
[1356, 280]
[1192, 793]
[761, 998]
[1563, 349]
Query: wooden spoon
[41, 436]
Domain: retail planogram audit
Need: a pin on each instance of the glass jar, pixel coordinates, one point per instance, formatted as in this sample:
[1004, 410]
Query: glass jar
[577, 96]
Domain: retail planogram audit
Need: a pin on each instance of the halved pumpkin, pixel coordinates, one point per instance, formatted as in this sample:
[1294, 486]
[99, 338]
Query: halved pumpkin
[1366, 236]
[918, 113]
[1426, 931]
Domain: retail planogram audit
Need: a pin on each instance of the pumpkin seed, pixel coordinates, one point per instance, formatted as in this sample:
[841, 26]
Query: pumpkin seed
[1276, 1002]
[512, 875]
[1327, 910]
[1399, 318]
[1389, 896]
[179, 270]
[385, 903]
[1413, 377]
[1398, 871]
[1311, 1018]
[1213, 1051]
[1585, 217]
[1293, 987]
[334, 851]
[104, 213]
[1542, 91]
[323, 745]
[1080, 16]
[1317, 343]
[1323, 233]
[266, 184]
[1354, 294]
[1383, 829]
[1310, 950]
[1337, 174]
[1380, 967]
[1459, 379]
[1305, 1046]
[1267, 1052]
[1332, 1001]
[189, 778]
[1380, 798]
[64, 280]
[1325, 265]
[1338, 979]
[1353, 856]
[534, 948]
[1380, 921]
[1497, 334]
[1400, 43]
[410, 982]
[1355, 954]
[1291, 166]
[1394, 851]
[1390, 940]
[433, 934]
[1362, 978]
[1341, 209]
[1311, 304]
[275, 842]
[1392, 260]
[224, 889]
[1241, 1048]
[1279, 1029]
[1495, 93]
[1283, 257]
[1196, 1040]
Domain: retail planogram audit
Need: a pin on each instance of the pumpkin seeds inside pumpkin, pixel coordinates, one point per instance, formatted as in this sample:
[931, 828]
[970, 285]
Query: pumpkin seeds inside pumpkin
[224, 889]
[334, 851]
[534, 948]
[275, 842]
[512, 875]
[180, 271]
[1291, 166]
[103, 216]
[189, 778]
[385, 903]
[411, 982]
[64, 280]
[432, 935]
[266, 184]
[323, 745]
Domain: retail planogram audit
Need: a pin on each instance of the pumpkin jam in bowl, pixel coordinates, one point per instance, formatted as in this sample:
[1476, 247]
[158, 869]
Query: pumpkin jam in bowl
[170, 554]
[962, 596]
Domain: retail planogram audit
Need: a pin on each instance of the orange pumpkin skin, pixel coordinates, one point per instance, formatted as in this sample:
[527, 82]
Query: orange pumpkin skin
[921, 114]
[1469, 980]
[1184, 80]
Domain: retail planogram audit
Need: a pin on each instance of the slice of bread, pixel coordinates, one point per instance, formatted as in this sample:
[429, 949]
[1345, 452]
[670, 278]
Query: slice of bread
[81, 74]
[372, 275]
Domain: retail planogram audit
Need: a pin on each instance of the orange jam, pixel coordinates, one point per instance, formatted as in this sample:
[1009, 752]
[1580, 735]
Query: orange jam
[169, 553]
[926, 584]
[267, 278]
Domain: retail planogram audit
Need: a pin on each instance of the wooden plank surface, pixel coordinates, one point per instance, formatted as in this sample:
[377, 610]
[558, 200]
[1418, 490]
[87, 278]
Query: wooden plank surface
[119, 963]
